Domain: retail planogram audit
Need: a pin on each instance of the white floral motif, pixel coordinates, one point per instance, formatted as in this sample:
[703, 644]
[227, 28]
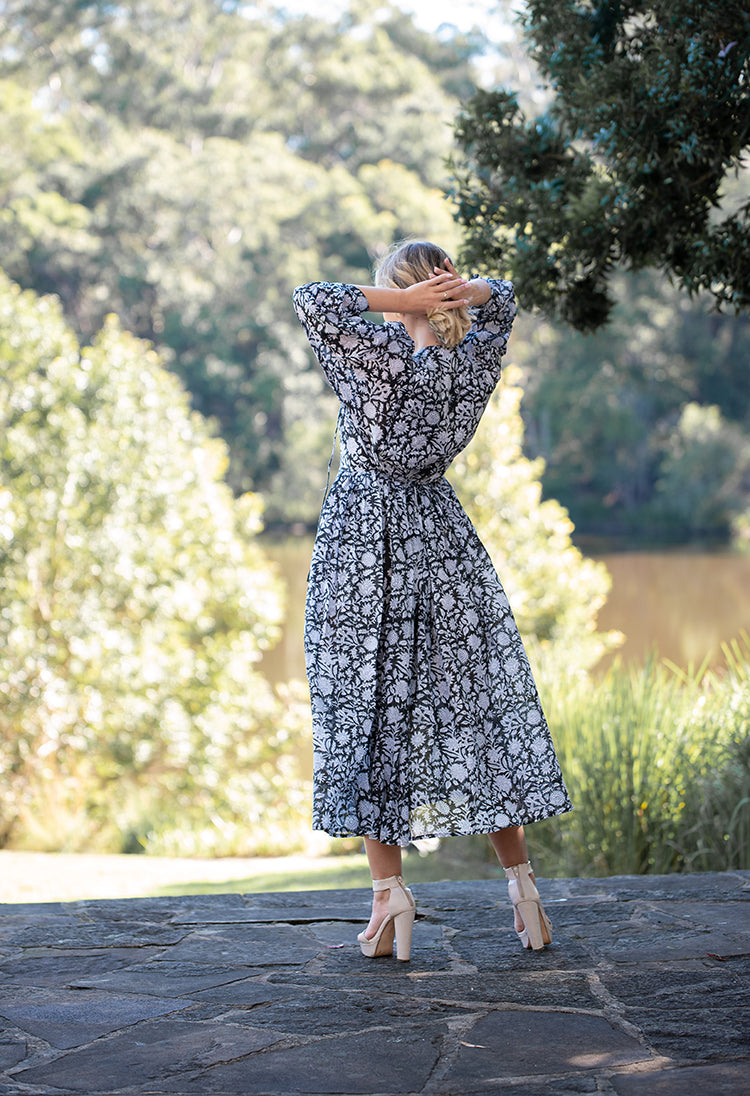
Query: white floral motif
[426, 718]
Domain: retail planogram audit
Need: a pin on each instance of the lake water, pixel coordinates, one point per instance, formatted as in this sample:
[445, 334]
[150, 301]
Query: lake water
[683, 605]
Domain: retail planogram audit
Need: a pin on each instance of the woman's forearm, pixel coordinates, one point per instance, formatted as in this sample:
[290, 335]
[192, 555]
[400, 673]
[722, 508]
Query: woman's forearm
[444, 290]
[382, 298]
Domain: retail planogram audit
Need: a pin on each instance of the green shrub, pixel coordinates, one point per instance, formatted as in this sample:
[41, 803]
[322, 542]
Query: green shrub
[135, 606]
[657, 761]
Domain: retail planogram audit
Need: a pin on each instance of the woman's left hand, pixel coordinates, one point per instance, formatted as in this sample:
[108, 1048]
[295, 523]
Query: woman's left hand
[442, 290]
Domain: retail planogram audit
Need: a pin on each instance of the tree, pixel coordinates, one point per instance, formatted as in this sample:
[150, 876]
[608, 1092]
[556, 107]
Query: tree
[704, 478]
[631, 164]
[135, 604]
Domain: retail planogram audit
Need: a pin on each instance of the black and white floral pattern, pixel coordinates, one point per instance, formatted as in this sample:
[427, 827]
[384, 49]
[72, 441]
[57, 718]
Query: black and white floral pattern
[426, 718]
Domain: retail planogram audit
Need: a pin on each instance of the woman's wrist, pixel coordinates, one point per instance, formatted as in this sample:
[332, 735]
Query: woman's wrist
[478, 291]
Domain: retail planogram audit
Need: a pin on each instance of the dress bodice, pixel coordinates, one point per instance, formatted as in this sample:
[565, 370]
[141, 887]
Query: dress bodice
[405, 414]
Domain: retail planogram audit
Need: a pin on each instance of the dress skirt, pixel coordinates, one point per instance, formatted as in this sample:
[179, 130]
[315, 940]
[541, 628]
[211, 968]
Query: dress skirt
[426, 718]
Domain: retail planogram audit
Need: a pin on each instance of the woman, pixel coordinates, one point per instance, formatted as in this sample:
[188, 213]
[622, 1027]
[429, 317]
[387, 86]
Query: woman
[426, 718]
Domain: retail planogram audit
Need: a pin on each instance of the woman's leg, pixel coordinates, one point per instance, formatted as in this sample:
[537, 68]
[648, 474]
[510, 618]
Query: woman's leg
[384, 861]
[510, 848]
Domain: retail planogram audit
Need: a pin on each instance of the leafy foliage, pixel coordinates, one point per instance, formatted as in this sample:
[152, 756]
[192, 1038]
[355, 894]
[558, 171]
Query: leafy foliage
[135, 605]
[188, 164]
[656, 761]
[706, 465]
[629, 164]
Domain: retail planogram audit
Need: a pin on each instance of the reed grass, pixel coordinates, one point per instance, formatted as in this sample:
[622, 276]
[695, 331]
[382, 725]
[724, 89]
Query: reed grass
[657, 762]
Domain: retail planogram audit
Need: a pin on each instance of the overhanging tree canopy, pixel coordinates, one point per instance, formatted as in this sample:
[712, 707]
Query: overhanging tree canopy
[632, 163]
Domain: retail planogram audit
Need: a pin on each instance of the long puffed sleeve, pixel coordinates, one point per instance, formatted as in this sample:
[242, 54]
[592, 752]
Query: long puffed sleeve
[362, 360]
[488, 337]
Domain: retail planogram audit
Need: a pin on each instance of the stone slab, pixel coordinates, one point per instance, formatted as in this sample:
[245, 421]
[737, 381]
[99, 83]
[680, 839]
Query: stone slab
[709, 985]
[574, 912]
[269, 994]
[69, 1018]
[70, 932]
[492, 951]
[384, 1061]
[577, 1085]
[700, 1033]
[290, 915]
[12, 1051]
[149, 1057]
[247, 992]
[723, 917]
[160, 910]
[478, 990]
[162, 979]
[248, 945]
[48, 967]
[328, 1012]
[641, 943]
[721, 1079]
[349, 962]
[516, 1043]
[343, 899]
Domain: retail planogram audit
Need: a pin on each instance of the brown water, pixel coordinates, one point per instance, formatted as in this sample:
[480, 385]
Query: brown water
[682, 605]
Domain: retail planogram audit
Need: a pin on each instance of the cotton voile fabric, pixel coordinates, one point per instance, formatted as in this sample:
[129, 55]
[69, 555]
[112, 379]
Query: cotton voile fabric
[426, 717]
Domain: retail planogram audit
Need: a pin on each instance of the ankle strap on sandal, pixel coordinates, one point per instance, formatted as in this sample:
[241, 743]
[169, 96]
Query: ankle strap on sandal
[524, 868]
[388, 884]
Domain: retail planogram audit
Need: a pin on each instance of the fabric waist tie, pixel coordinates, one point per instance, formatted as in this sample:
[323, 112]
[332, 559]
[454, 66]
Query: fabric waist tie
[428, 480]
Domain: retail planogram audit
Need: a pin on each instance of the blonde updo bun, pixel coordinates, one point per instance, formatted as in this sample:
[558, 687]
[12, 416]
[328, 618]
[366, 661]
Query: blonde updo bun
[415, 261]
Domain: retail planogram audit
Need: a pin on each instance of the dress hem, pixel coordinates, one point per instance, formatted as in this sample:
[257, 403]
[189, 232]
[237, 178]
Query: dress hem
[474, 832]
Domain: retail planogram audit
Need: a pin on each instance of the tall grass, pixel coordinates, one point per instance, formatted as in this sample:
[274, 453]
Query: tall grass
[657, 761]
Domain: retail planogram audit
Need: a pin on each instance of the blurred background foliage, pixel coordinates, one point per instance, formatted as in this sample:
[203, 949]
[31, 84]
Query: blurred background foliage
[170, 172]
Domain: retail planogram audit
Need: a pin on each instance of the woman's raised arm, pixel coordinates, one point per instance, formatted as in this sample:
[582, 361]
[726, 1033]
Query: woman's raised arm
[434, 292]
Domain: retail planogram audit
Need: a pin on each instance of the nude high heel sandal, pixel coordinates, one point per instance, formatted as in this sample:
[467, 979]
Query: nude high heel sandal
[399, 921]
[537, 930]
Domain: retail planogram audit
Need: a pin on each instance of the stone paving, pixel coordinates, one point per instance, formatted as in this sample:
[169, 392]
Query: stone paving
[643, 993]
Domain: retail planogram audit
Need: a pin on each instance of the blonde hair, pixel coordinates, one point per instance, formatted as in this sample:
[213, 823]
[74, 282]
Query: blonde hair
[414, 261]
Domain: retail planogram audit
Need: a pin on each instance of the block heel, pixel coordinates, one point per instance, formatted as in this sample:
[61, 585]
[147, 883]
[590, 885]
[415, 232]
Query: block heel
[537, 927]
[398, 923]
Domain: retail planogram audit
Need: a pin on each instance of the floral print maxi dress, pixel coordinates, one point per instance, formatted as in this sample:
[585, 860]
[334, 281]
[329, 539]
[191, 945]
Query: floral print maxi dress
[426, 718]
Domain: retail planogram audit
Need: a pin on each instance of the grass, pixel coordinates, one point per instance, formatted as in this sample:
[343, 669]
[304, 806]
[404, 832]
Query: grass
[68, 877]
[343, 872]
[454, 859]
